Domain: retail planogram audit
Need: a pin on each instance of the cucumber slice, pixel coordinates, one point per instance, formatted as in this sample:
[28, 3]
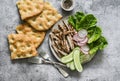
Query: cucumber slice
[67, 58]
[72, 66]
[68, 65]
[76, 58]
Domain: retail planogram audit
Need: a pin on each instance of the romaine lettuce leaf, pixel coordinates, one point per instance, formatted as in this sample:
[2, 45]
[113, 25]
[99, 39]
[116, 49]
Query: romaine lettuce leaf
[93, 50]
[99, 44]
[103, 44]
[72, 21]
[87, 22]
[95, 34]
[79, 16]
[75, 19]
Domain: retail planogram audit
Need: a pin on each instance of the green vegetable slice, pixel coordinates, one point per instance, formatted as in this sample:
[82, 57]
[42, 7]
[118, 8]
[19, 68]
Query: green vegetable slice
[67, 58]
[77, 63]
[68, 64]
[72, 66]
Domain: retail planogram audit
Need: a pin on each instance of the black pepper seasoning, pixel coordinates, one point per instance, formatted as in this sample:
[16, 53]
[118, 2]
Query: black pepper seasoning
[67, 4]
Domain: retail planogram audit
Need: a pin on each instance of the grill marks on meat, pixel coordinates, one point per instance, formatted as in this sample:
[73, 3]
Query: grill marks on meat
[61, 38]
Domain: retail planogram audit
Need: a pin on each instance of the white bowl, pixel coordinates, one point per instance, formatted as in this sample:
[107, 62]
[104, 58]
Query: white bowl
[70, 8]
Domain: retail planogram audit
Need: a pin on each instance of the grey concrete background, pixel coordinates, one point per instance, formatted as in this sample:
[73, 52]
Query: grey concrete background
[104, 67]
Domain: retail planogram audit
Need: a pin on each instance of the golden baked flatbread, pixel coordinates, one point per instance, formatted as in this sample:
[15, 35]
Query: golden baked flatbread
[21, 46]
[46, 19]
[29, 8]
[31, 32]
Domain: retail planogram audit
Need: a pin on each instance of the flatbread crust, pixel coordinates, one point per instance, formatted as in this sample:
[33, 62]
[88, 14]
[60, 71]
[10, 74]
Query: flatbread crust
[29, 8]
[46, 19]
[21, 46]
[31, 32]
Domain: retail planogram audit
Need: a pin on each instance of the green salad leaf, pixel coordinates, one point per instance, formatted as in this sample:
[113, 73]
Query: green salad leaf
[99, 44]
[87, 22]
[95, 34]
[74, 20]
[103, 42]
[93, 50]
[80, 20]
[95, 39]
[79, 16]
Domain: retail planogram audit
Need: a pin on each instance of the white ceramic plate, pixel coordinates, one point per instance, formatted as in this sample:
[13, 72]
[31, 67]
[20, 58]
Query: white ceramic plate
[87, 58]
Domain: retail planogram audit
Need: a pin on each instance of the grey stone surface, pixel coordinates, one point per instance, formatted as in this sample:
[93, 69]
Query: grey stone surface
[104, 67]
